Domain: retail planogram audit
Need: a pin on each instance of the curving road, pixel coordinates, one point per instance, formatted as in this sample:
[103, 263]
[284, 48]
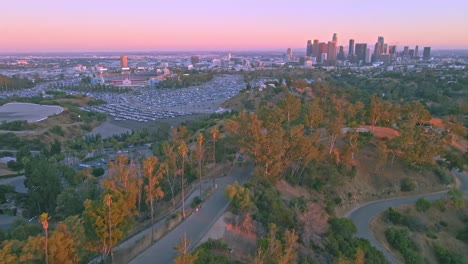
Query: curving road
[363, 214]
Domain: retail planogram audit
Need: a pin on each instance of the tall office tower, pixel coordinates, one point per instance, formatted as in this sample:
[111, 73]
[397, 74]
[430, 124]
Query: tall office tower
[335, 38]
[411, 53]
[124, 61]
[381, 41]
[360, 51]
[392, 49]
[416, 52]
[315, 48]
[405, 51]
[323, 57]
[368, 58]
[331, 52]
[323, 48]
[289, 54]
[351, 48]
[427, 53]
[341, 53]
[379, 46]
[310, 48]
[385, 48]
[195, 59]
[229, 57]
[377, 50]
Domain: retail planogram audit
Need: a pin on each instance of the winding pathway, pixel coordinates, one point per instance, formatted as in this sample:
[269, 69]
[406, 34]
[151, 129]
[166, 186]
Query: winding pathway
[363, 214]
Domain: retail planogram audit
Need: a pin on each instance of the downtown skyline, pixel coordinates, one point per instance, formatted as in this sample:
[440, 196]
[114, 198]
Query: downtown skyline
[141, 25]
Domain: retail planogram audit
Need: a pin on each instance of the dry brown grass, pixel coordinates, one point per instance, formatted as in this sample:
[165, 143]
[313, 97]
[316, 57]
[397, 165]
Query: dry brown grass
[453, 217]
[4, 170]
[370, 185]
[289, 192]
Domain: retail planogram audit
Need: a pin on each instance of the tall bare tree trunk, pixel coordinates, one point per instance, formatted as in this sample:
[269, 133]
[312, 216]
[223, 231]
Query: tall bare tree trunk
[183, 191]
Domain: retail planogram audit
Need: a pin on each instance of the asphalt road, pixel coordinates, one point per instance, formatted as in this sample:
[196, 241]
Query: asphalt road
[362, 215]
[196, 225]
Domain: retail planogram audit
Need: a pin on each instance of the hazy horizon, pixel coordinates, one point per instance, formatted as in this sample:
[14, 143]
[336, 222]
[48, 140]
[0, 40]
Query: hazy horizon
[148, 26]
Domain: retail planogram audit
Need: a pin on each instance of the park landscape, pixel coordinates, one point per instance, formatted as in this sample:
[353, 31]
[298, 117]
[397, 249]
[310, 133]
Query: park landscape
[303, 161]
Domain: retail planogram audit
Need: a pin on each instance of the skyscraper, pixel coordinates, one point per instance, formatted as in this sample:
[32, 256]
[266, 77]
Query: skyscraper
[310, 48]
[392, 49]
[315, 49]
[360, 51]
[351, 48]
[323, 48]
[377, 49]
[427, 53]
[335, 39]
[416, 52]
[405, 51]
[331, 52]
[381, 41]
[341, 53]
[289, 54]
[124, 61]
[368, 58]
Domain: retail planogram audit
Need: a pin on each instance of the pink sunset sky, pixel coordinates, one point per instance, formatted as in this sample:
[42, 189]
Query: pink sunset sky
[151, 25]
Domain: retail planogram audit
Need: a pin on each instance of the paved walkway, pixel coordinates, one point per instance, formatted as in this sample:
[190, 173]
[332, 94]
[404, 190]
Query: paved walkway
[362, 215]
[196, 225]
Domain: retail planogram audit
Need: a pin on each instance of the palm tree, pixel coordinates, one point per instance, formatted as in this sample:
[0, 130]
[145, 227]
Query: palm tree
[200, 156]
[108, 199]
[214, 134]
[44, 218]
[152, 189]
[183, 152]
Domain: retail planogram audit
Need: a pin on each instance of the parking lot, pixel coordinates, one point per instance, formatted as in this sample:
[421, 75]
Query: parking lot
[153, 104]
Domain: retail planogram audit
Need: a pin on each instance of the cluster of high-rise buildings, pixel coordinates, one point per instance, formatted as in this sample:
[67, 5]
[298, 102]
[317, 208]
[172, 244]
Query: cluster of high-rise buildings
[329, 53]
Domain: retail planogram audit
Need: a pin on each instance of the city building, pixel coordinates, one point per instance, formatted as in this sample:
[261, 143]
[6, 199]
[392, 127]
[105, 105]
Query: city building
[289, 54]
[416, 52]
[368, 58]
[310, 48]
[392, 49]
[335, 38]
[341, 53]
[405, 51]
[331, 52]
[195, 59]
[323, 57]
[427, 53]
[315, 48]
[360, 51]
[322, 48]
[351, 49]
[124, 61]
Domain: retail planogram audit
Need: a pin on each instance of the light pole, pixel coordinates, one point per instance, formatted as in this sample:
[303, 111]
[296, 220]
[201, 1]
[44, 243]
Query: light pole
[79, 118]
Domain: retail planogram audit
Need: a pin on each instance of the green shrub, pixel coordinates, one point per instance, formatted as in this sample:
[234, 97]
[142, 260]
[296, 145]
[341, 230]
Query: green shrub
[422, 205]
[440, 204]
[445, 256]
[98, 172]
[399, 239]
[407, 185]
[195, 202]
[58, 130]
[463, 235]
[394, 217]
[443, 176]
